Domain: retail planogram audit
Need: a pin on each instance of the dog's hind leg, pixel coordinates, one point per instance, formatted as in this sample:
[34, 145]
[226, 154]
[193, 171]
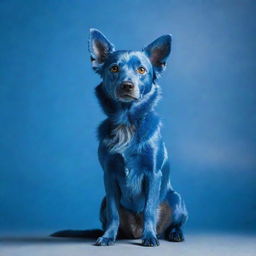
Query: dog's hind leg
[178, 217]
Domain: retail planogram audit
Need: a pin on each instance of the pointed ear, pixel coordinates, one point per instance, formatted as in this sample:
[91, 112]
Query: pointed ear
[158, 52]
[99, 48]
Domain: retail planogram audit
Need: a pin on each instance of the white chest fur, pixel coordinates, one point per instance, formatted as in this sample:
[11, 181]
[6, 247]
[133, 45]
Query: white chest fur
[121, 136]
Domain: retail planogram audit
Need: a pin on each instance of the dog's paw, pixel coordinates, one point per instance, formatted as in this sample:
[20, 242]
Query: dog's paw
[104, 241]
[176, 235]
[150, 241]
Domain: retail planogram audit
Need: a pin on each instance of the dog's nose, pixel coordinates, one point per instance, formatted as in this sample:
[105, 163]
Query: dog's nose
[127, 86]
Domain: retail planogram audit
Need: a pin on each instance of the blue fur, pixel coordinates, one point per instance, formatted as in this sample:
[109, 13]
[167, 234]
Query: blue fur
[136, 172]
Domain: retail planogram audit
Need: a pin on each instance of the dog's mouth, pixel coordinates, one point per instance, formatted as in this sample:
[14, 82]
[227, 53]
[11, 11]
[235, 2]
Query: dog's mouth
[127, 97]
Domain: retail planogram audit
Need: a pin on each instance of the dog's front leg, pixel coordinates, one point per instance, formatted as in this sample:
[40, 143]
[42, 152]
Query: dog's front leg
[152, 188]
[112, 215]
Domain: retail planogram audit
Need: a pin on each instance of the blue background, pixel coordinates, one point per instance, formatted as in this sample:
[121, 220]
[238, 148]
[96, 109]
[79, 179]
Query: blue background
[50, 178]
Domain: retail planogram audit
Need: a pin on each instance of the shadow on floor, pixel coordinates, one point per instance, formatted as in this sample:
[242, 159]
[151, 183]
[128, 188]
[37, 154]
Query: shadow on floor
[63, 236]
[89, 234]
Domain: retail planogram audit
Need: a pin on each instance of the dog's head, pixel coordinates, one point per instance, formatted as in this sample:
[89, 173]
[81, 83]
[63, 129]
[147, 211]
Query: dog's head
[128, 75]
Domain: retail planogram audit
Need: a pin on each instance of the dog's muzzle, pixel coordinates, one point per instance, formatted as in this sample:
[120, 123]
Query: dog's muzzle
[127, 86]
[126, 91]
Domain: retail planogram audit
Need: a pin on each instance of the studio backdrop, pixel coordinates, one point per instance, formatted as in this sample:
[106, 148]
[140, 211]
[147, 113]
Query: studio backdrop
[50, 178]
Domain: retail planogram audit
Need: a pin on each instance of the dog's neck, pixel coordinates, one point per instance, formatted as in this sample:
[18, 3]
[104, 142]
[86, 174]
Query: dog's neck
[127, 113]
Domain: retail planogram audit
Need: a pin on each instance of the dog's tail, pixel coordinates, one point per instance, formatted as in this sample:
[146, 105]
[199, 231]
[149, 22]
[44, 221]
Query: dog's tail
[90, 233]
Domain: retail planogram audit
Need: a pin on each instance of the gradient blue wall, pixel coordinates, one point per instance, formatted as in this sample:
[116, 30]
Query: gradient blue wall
[50, 178]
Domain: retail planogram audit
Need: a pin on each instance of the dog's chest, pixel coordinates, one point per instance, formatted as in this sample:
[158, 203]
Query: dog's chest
[131, 185]
[120, 136]
[131, 174]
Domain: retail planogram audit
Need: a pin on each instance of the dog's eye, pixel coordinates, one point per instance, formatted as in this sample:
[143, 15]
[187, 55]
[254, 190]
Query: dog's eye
[141, 70]
[114, 69]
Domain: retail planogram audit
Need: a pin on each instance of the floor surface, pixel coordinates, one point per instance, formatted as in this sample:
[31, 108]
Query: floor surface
[195, 245]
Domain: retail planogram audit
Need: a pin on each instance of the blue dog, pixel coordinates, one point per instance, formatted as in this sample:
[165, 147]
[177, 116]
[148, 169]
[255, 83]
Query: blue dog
[140, 200]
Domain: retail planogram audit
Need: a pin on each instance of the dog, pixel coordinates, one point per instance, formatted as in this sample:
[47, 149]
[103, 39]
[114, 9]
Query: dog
[140, 201]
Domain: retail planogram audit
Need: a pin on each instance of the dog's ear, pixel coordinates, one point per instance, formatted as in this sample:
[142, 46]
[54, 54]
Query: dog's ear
[99, 48]
[158, 52]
